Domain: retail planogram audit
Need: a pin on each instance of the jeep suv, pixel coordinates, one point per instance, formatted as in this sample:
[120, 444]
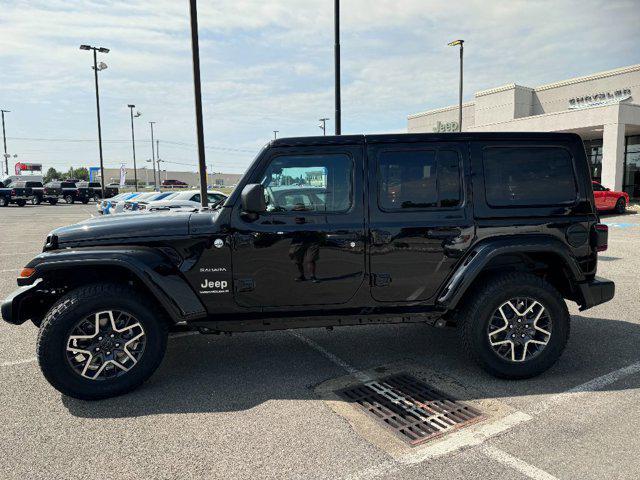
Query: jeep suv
[489, 233]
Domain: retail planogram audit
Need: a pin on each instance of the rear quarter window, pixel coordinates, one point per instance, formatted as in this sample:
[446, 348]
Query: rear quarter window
[528, 176]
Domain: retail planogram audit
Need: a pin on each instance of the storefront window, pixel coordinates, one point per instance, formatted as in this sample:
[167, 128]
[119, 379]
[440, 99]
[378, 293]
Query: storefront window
[632, 166]
[594, 155]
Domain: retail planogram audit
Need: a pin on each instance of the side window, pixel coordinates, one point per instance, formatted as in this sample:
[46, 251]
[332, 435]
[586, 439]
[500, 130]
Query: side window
[528, 176]
[309, 183]
[195, 198]
[418, 179]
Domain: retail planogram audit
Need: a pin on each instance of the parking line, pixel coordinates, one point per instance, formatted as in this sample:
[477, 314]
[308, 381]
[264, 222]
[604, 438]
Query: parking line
[18, 362]
[517, 464]
[10, 270]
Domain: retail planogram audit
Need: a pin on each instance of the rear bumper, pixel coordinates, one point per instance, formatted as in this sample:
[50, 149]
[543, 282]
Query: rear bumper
[597, 291]
[13, 307]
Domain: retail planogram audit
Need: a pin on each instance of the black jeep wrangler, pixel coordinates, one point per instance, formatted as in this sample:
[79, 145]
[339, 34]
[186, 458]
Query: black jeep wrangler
[486, 232]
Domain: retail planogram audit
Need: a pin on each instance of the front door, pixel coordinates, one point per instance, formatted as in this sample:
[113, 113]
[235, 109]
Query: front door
[307, 248]
[420, 224]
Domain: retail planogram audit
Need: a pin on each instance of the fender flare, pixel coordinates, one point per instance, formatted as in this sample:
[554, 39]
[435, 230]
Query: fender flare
[150, 266]
[480, 255]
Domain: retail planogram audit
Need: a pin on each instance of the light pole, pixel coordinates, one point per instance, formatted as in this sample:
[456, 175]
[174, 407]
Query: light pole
[452, 44]
[197, 91]
[97, 68]
[153, 157]
[158, 160]
[133, 144]
[275, 134]
[4, 138]
[336, 27]
[323, 126]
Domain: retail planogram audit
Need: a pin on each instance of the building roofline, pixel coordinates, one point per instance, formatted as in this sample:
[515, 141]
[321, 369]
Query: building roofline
[586, 78]
[439, 110]
[503, 88]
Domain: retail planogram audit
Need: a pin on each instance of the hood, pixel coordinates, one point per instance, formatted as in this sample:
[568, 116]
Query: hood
[125, 227]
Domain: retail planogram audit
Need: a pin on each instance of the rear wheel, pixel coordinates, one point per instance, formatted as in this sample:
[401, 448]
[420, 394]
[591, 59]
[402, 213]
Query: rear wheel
[4, 202]
[515, 325]
[36, 200]
[21, 203]
[68, 199]
[98, 342]
[621, 205]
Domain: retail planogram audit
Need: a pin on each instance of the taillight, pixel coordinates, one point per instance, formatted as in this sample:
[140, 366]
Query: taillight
[27, 272]
[602, 237]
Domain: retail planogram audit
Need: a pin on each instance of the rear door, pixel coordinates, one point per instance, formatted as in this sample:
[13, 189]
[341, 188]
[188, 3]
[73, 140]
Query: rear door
[420, 221]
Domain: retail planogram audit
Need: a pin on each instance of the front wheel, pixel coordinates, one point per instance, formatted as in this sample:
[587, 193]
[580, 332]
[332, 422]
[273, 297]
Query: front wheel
[100, 341]
[515, 325]
[53, 201]
[21, 203]
[621, 205]
[36, 200]
[68, 199]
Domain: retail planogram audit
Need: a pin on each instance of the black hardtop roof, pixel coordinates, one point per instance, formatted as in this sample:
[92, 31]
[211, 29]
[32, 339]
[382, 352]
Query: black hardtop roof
[421, 137]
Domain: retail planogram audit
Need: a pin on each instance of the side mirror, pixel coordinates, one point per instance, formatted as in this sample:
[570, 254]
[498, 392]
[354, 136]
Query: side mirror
[253, 198]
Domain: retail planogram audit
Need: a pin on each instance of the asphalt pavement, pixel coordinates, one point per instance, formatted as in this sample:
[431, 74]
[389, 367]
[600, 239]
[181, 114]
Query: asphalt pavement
[260, 405]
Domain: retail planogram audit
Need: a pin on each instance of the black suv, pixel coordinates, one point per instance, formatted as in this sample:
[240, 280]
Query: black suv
[485, 232]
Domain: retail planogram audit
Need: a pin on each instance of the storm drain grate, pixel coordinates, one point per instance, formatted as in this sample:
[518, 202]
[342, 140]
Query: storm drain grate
[409, 407]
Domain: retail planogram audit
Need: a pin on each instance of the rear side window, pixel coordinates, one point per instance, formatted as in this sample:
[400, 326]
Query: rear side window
[418, 179]
[528, 176]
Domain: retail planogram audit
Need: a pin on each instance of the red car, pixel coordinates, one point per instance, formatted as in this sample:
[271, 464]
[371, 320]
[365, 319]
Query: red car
[607, 199]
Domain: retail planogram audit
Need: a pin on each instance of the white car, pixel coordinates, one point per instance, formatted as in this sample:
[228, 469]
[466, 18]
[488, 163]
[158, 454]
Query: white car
[186, 199]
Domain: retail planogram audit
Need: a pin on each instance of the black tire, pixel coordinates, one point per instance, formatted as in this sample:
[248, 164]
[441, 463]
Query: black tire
[21, 203]
[53, 201]
[36, 200]
[85, 201]
[479, 308]
[69, 199]
[82, 302]
[4, 202]
[621, 205]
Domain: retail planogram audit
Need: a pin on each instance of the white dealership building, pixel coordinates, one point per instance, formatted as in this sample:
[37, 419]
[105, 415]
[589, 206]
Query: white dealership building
[603, 108]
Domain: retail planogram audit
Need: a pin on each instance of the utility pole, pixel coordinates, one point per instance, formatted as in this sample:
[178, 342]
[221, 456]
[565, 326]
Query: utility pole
[133, 143]
[4, 138]
[153, 158]
[324, 125]
[158, 160]
[336, 23]
[95, 72]
[197, 91]
[461, 43]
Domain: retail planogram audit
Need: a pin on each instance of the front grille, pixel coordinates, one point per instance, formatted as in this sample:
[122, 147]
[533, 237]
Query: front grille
[410, 408]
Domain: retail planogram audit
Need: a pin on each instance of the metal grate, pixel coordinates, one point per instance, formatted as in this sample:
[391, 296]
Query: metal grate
[410, 408]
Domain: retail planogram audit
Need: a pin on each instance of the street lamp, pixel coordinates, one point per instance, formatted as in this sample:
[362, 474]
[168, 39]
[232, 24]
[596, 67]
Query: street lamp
[153, 158]
[133, 143]
[4, 138]
[453, 44]
[336, 31]
[323, 125]
[97, 67]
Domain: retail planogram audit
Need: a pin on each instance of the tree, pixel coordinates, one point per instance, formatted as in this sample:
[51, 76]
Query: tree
[52, 174]
[81, 173]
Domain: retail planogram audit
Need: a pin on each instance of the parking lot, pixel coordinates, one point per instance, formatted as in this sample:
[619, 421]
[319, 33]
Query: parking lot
[260, 405]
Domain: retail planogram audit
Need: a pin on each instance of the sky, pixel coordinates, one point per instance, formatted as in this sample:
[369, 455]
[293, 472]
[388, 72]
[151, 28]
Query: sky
[268, 65]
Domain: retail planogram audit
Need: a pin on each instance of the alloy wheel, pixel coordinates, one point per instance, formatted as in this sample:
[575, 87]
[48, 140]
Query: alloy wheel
[519, 329]
[105, 345]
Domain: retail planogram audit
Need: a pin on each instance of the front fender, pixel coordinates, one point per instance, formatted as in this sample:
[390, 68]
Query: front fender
[480, 255]
[152, 267]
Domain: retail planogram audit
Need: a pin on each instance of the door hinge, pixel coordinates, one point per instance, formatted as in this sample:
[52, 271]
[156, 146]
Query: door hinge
[381, 279]
[245, 285]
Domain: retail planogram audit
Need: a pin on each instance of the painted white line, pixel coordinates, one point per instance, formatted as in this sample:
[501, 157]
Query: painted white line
[454, 442]
[334, 358]
[590, 386]
[18, 362]
[517, 464]
[16, 253]
[10, 270]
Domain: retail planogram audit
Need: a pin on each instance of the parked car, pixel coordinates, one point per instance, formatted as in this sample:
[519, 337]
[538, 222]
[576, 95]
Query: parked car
[607, 199]
[174, 183]
[68, 190]
[18, 193]
[117, 203]
[186, 199]
[92, 191]
[402, 231]
[141, 202]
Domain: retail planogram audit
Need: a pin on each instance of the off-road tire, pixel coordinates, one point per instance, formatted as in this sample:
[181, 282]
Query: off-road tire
[53, 201]
[36, 200]
[21, 203]
[85, 201]
[621, 205]
[69, 199]
[479, 306]
[4, 202]
[81, 302]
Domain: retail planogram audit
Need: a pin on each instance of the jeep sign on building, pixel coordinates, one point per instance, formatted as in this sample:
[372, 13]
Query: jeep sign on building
[603, 108]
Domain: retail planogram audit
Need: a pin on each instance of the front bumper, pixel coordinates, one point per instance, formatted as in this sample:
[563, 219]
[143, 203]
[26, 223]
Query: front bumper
[597, 291]
[15, 308]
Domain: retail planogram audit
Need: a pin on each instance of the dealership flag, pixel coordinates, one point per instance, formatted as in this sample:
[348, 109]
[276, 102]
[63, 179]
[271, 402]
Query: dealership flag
[123, 175]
